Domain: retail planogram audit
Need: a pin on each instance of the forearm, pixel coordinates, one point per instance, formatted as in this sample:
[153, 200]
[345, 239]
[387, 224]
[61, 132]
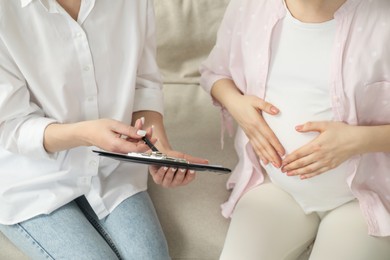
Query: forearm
[373, 139]
[60, 137]
[154, 119]
[225, 92]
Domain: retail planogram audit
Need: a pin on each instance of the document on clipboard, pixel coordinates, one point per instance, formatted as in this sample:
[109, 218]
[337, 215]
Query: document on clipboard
[160, 159]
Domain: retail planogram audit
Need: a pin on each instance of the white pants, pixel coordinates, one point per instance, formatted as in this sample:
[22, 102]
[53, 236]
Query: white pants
[268, 224]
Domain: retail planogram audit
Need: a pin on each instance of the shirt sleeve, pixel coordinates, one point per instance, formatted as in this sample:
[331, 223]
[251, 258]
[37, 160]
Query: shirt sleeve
[218, 64]
[22, 122]
[148, 93]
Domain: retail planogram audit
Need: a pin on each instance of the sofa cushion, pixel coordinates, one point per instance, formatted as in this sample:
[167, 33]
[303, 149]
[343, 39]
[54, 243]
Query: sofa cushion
[186, 32]
[191, 215]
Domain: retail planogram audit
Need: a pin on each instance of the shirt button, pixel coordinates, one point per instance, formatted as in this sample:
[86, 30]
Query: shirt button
[79, 34]
[92, 164]
[86, 68]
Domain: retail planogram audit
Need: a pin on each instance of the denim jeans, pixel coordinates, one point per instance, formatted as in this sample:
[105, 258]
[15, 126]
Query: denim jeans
[131, 231]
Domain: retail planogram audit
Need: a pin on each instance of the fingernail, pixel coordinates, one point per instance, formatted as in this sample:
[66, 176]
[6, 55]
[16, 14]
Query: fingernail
[298, 127]
[274, 110]
[182, 170]
[165, 168]
[143, 120]
[173, 169]
[192, 171]
[275, 165]
[141, 132]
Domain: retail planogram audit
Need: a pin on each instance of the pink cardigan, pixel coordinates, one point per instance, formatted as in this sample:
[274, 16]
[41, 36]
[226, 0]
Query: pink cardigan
[360, 89]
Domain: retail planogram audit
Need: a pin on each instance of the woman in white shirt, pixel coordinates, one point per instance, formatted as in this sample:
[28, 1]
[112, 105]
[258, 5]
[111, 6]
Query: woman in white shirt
[308, 83]
[74, 76]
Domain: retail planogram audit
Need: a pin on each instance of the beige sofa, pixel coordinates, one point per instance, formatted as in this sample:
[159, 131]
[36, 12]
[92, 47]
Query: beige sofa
[190, 215]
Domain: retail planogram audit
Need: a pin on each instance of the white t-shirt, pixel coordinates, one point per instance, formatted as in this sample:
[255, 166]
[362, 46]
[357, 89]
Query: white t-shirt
[299, 85]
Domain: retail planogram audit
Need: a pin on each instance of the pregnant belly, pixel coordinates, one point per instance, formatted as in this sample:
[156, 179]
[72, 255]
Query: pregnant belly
[283, 125]
[322, 192]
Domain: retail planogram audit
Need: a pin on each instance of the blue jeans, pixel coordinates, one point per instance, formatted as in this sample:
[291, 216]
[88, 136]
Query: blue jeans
[131, 231]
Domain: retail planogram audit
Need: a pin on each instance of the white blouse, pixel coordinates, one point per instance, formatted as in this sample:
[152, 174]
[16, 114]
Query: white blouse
[56, 69]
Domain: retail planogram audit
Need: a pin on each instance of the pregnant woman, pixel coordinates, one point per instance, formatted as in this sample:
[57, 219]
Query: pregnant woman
[308, 83]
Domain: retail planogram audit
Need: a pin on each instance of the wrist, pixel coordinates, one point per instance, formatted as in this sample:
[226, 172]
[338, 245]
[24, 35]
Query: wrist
[59, 137]
[225, 92]
[357, 142]
[79, 134]
[371, 139]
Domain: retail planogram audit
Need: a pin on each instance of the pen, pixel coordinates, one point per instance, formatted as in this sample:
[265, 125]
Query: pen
[149, 143]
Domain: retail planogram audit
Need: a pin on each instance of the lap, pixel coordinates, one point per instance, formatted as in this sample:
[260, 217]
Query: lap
[343, 235]
[133, 228]
[131, 231]
[268, 224]
[64, 234]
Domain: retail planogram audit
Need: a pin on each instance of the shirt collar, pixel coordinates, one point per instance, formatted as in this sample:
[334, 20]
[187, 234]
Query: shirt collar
[24, 3]
[50, 5]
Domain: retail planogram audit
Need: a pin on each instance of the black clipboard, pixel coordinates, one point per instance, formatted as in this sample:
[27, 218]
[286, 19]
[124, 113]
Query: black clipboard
[160, 159]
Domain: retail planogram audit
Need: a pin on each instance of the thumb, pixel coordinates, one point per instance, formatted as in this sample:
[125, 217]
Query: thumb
[311, 127]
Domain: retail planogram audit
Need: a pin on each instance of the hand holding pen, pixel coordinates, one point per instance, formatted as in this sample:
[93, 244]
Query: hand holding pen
[139, 124]
[150, 144]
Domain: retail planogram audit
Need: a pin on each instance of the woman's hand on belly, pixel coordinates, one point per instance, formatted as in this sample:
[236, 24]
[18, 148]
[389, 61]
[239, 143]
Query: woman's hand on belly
[335, 144]
[247, 111]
